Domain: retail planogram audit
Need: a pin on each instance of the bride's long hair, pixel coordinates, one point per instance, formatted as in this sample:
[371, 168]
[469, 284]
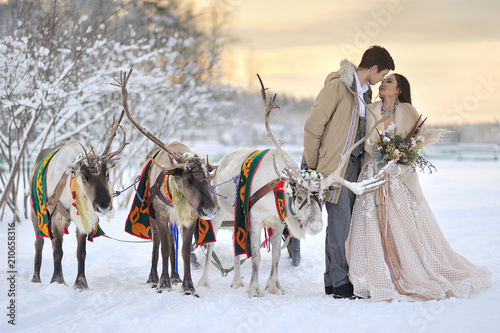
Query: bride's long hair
[404, 86]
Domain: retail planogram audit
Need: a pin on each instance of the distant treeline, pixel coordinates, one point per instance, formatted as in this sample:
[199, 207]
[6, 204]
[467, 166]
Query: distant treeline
[243, 124]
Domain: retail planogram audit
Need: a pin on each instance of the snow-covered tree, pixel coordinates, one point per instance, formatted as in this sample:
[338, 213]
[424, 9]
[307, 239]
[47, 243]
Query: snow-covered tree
[57, 59]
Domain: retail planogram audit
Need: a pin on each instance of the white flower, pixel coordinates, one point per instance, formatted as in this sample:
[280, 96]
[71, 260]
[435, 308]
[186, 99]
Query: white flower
[420, 138]
[188, 155]
[289, 190]
[79, 157]
[391, 127]
[386, 139]
[306, 174]
[413, 142]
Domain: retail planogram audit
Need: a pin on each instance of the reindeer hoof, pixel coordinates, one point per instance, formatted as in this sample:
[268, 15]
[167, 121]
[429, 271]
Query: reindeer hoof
[175, 279]
[274, 287]
[237, 283]
[254, 292]
[191, 292]
[57, 279]
[204, 282]
[276, 291]
[160, 290]
[188, 289]
[164, 285]
[153, 280]
[81, 284]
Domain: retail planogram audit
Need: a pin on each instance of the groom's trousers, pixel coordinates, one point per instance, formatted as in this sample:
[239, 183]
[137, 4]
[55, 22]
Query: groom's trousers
[337, 230]
[339, 220]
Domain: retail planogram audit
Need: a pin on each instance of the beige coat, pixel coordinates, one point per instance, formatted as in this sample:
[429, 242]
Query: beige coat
[331, 126]
[406, 116]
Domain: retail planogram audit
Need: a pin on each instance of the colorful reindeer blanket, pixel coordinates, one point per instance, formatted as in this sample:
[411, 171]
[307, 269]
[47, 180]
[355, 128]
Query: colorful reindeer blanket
[241, 218]
[138, 222]
[39, 200]
[241, 215]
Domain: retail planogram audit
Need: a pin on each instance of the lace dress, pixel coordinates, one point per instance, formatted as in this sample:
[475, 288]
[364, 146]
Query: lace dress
[398, 252]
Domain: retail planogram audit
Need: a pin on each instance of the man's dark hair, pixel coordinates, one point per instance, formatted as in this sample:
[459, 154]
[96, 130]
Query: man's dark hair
[377, 55]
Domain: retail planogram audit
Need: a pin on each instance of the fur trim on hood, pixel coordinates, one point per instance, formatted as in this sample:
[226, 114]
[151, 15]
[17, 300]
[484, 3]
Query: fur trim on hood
[345, 73]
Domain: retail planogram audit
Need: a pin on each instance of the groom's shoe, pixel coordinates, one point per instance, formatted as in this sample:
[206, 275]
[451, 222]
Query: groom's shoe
[344, 291]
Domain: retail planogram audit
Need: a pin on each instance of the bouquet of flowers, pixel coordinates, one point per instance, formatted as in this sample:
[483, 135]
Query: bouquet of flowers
[403, 149]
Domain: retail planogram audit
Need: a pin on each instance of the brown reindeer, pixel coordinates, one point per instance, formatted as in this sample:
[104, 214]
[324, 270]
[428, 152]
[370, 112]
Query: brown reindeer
[187, 179]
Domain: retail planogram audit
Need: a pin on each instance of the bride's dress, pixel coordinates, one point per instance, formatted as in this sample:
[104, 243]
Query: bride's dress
[407, 258]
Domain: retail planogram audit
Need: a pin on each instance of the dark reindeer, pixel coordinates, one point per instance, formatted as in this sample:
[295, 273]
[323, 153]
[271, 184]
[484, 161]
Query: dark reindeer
[189, 176]
[90, 172]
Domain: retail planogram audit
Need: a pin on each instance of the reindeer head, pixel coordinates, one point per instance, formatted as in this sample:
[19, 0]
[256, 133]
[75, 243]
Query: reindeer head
[192, 178]
[306, 202]
[191, 175]
[305, 197]
[92, 173]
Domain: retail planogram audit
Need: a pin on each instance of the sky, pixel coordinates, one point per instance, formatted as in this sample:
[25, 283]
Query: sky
[449, 50]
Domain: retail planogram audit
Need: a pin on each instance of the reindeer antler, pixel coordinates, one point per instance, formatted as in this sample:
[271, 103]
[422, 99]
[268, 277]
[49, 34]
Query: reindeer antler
[124, 143]
[336, 180]
[290, 171]
[113, 130]
[123, 85]
[105, 154]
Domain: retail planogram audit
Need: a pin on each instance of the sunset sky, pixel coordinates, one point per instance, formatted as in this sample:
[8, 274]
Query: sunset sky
[448, 50]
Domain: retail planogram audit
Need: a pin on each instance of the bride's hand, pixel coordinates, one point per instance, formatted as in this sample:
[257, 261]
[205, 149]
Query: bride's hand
[394, 170]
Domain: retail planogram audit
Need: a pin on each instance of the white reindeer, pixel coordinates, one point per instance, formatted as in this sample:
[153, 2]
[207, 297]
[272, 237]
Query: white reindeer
[90, 174]
[307, 201]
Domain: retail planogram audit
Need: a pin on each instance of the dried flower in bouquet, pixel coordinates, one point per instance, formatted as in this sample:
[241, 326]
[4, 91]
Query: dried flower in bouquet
[403, 149]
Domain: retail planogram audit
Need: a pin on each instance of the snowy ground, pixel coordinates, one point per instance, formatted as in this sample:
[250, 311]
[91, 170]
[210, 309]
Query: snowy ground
[465, 197]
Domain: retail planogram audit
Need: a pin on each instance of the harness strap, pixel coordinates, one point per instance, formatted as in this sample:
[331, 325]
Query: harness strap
[261, 192]
[62, 211]
[155, 190]
[53, 201]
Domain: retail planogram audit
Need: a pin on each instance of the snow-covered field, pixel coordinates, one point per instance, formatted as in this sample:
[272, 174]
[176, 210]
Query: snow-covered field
[465, 197]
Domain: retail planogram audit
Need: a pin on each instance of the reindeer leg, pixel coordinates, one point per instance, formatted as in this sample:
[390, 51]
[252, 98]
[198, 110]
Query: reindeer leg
[81, 254]
[153, 273]
[165, 283]
[38, 260]
[205, 279]
[39, 241]
[174, 276]
[273, 285]
[253, 287]
[187, 283]
[237, 280]
[57, 250]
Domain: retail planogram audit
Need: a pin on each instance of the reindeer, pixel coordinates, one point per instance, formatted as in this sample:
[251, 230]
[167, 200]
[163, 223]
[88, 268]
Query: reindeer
[73, 167]
[190, 177]
[307, 201]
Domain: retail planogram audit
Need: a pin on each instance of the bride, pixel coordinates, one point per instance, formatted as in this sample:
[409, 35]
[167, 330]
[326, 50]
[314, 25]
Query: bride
[396, 249]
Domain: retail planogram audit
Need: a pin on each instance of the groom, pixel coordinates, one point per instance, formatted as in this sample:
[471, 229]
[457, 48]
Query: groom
[335, 123]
